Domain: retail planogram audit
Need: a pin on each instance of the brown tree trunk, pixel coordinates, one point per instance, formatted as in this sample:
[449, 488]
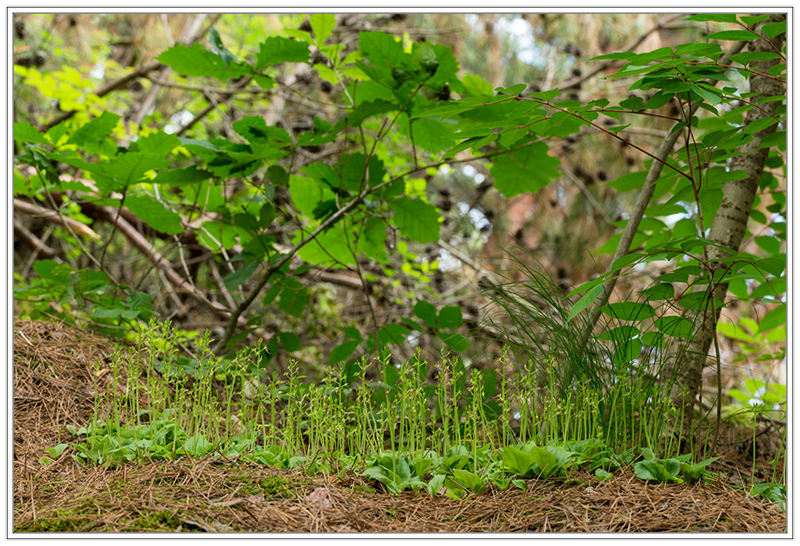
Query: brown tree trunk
[728, 229]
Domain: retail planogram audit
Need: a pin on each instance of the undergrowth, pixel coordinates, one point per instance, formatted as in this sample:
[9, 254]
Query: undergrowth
[389, 422]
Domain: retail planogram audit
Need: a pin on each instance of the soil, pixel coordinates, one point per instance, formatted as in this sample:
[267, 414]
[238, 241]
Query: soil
[54, 376]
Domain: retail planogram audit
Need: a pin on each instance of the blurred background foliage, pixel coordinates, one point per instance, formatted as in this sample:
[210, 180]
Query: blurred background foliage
[557, 231]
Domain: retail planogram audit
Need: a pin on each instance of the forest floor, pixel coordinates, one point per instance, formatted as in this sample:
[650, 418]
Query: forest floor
[52, 389]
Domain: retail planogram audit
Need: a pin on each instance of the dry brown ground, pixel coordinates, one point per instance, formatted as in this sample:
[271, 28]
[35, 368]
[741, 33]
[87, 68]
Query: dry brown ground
[53, 387]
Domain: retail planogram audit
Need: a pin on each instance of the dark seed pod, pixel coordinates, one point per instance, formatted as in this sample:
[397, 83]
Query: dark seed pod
[444, 94]
[576, 72]
[136, 86]
[601, 175]
[553, 203]
[399, 16]
[446, 205]
[23, 61]
[19, 29]
[444, 192]
[629, 160]
[305, 25]
[326, 86]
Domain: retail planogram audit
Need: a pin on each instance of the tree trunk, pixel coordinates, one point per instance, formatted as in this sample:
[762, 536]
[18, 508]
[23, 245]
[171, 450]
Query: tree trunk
[728, 229]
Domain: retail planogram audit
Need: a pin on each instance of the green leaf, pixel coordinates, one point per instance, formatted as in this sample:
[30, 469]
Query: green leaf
[154, 214]
[734, 35]
[526, 170]
[455, 342]
[179, 177]
[222, 51]
[467, 479]
[238, 277]
[198, 61]
[585, 301]
[307, 193]
[659, 292]
[322, 24]
[617, 56]
[426, 312]
[714, 17]
[517, 461]
[25, 132]
[92, 133]
[289, 341]
[450, 317]
[369, 109]
[293, 298]
[352, 340]
[277, 49]
[603, 475]
[628, 182]
[159, 143]
[775, 265]
[773, 319]
[129, 168]
[675, 326]
[759, 125]
[773, 29]
[416, 219]
[629, 310]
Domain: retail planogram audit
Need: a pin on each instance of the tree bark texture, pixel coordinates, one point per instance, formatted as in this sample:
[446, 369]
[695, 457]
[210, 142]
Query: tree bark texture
[728, 229]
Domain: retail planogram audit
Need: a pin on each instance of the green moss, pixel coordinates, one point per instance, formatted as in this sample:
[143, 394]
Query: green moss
[157, 521]
[60, 521]
[270, 487]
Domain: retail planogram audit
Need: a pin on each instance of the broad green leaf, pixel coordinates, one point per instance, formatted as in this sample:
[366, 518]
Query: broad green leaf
[131, 167]
[224, 53]
[241, 275]
[416, 219]
[159, 143]
[322, 24]
[629, 310]
[714, 17]
[178, 177]
[773, 29]
[92, 133]
[773, 319]
[467, 479]
[198, 61]
[775, 265]
[517, 461]
[526, 170]
[382, 50]
[475, 86]
[628, 182]
[585, 301]
[733, 35]
[25, 132]
[367, 110]
[455, 342]
[277, 49]
[426, 312]
[154, 214]
[293, 298]
[307, 193]
[289, 341]
[617, 56]
[759, 125]
[331, 248]
[678, 327]
[659, 292]
[449, 317]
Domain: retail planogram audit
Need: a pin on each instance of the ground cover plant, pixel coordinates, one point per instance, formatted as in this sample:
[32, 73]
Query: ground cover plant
[443, 387]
